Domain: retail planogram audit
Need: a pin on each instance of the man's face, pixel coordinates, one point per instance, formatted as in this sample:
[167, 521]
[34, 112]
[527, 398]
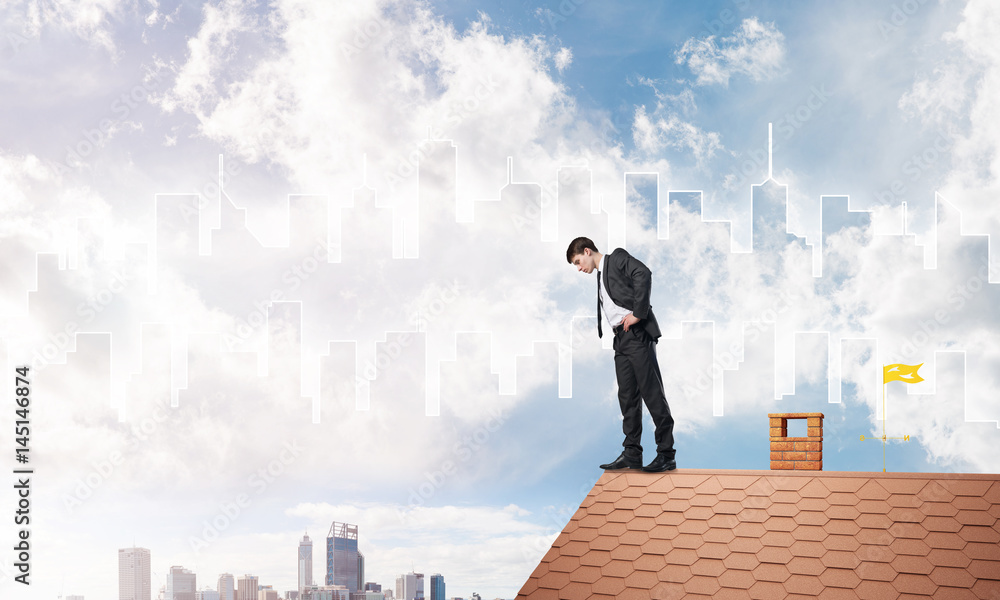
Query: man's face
[585, 262]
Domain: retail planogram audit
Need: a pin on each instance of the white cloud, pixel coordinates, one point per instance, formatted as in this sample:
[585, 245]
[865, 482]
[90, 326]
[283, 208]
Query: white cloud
[665, 127]
[974, 179]
[652, 136]
[938, 97]
[90, 20]
[563, 59]
[320, 110]
[756, 49]
[213, 48]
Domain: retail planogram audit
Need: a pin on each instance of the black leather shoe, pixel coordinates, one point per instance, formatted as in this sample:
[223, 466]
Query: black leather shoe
[624, 462]
[660, 463]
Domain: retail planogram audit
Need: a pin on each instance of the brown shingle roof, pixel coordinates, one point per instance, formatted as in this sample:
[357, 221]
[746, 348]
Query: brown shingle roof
[768, 534]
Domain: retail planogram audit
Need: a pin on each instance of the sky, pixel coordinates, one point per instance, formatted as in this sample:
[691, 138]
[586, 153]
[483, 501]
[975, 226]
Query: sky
[275, 265]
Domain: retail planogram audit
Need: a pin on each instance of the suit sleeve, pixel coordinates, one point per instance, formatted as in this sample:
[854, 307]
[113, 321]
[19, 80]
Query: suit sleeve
[642, 283]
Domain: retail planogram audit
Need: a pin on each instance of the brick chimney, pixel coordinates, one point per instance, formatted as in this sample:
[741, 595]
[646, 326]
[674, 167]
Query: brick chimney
[798, 453]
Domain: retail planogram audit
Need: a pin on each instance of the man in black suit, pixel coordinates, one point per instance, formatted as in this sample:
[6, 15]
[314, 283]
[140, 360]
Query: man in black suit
[623, 289]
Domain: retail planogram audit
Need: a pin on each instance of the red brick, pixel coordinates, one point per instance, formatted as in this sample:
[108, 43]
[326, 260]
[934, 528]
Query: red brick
[795, 455]
[809, 446]
[815, 422]
[777, 455]
[816, 432]
[814, 456]
[781, 465]
[777, 422]
[778, 432]
[809, 465]
[781, 446]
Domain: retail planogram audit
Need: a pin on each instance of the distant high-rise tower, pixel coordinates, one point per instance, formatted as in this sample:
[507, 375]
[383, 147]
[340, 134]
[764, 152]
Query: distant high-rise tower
[305, 562]
[410, 586]
[133, 574]
[437, 587]
[246, 588]
[342, 556]
[180, 584]
[226, 587]
[361, 572]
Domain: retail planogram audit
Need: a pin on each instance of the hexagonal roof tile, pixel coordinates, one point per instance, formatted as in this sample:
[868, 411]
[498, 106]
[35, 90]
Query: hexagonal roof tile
[711, 567]
[702, 584]
[710, 486]
[840, 578]
[917, 565]
[871, 490]
[693, 525]
[803, 584]
[725, 521]
[841, 542]
[649, 562]
[777, 534]
[907, 583]
[718, 535]
[809, 517]
[805, 565]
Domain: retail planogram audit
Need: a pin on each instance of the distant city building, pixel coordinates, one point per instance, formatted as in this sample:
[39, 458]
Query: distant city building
[410, 586]
[361, 573]
[401, 586]
[180, 584]
[206, 594]
[305, 562]
[326, 592]
[369, 595]
[437, 587]
[72, 597]
[246, 588]
[292, 595]
[133, 574]
[342, 559]
[227, 587]
[267, 593]
[371, 586]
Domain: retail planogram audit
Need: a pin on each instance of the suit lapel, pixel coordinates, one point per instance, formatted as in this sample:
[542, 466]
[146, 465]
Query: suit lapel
[607, 278]
[604, 274]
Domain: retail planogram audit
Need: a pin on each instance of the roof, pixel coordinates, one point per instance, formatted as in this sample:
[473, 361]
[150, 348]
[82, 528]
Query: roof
[777, 534]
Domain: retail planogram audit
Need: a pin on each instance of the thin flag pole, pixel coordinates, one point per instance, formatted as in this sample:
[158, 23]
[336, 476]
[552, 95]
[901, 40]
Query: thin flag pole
[883, 424]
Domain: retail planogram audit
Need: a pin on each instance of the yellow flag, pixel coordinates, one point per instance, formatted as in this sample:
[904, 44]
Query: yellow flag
[898, 372]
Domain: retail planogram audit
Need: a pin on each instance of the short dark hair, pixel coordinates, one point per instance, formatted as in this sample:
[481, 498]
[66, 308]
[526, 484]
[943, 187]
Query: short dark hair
[577, 246]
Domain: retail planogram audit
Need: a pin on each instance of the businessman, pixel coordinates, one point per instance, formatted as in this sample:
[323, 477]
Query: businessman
[623, 290]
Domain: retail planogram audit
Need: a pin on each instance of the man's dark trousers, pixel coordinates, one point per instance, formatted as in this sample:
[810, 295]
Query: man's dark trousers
[639, 378]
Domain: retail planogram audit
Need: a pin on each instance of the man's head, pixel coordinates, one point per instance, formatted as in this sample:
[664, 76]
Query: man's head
[583, 254]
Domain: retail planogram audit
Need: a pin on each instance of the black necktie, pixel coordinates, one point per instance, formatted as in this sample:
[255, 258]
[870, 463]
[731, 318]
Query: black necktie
[599, 306]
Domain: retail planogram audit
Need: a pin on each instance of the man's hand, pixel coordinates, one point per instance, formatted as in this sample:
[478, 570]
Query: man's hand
[630, 320]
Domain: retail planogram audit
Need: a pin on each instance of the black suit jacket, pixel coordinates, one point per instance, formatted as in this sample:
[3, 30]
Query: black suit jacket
[629, 283]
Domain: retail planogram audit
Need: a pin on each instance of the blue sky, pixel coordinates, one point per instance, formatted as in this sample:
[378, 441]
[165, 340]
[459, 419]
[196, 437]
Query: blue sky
[367, 324]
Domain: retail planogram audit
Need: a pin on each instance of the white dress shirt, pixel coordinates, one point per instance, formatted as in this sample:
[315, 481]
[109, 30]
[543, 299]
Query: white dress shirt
[614, 313]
